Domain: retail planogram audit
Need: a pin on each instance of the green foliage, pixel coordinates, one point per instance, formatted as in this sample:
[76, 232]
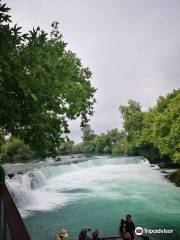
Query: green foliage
[133, 115]
[110, 143]
[88, 147]
[2, 139]
[133, 123]
[77, 148]
[107, 143]
[14, 150]
[42, 86]
[166, 126]
[88, 133]
[155, 133]
[66, 147]
[120, 147]
[101, 144]
[2, 174]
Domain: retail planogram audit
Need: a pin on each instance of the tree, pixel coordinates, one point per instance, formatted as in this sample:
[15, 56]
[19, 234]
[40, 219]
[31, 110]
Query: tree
[2, 139]
[88, 133]
[120, 146]
[66, 147]
[14, 150]
[155, 133]
[133, 122]
[166, 127]
[42, 86]
[101, 143]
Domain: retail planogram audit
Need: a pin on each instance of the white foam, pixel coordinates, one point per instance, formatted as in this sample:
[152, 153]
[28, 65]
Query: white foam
[55, 186]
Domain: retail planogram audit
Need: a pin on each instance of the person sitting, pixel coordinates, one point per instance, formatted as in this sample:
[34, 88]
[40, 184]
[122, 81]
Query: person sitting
[122, 230]
[89, 234]
[95, 235]
[130, 227]
[146, 238]
[85, 234]
[62, 234]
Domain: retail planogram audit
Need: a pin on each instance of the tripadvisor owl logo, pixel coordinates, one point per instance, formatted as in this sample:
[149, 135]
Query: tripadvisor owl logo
[139, 231]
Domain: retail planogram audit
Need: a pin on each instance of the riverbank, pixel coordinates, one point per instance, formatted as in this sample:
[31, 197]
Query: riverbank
[174, 177]
[163, 164]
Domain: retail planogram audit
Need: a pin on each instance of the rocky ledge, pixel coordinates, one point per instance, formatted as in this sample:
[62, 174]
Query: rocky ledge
[174, 177]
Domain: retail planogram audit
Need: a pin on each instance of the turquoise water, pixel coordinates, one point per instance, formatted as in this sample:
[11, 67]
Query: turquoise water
[97, 194]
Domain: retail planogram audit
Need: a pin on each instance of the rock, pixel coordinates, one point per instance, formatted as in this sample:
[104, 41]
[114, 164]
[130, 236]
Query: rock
[168, 164]
[58, 159]
[162, 165]
[11, 175]
[174, 177]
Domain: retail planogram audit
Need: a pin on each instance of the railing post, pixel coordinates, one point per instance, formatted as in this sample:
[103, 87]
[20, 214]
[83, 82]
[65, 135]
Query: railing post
[2, 210]
[1, 218]
[14, 228]
[11, 224]
[6, 228]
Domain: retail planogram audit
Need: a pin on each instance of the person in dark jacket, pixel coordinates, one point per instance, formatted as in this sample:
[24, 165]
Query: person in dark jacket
[122, 230]
[85, 234]
[95, 235]
[130, 227]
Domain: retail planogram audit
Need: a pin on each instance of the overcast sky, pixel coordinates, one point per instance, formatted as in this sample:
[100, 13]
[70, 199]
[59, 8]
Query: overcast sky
[131, 46]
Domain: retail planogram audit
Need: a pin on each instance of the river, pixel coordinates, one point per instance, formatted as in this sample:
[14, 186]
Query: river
[96, 193]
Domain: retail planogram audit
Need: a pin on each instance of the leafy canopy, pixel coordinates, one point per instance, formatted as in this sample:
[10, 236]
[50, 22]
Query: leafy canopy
[155, 133]
[14, 150]
[42, 86]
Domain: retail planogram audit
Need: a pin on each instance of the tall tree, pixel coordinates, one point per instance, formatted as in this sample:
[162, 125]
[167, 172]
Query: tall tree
[133, 122]
[88, 133]
[155, 133]
[42, 86]
[166, 127]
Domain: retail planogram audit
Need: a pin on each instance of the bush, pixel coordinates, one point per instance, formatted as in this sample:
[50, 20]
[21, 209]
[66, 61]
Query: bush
[15, 150]
[77, 148]
[2, 174]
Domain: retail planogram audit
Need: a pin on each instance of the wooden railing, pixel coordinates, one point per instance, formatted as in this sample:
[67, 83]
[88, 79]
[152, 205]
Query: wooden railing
[110, 238]
[11, 224]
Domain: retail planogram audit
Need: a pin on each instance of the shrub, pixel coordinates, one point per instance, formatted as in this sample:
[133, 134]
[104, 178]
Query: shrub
[15, 150]
[2, 174]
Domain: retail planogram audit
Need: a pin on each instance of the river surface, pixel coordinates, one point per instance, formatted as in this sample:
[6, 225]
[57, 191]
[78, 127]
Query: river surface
[97, 194]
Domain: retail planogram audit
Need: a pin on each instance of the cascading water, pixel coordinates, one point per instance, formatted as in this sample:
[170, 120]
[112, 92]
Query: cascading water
[27, 189]
[95, 193]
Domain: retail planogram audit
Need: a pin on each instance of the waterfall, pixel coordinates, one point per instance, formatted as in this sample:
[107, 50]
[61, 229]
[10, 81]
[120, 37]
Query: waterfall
[48, 186]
